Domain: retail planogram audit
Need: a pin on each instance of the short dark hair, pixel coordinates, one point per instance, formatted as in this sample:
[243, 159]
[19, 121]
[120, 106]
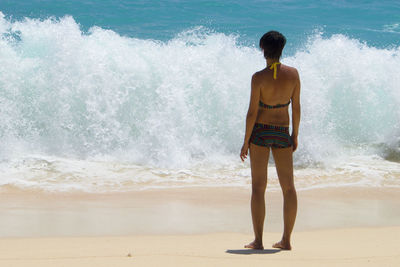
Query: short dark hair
[272, 43]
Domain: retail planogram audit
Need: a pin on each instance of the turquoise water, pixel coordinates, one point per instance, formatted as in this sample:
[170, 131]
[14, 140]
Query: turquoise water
[119, 95]
[374, 22]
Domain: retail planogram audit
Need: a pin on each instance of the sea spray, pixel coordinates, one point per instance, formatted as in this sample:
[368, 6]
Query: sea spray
[83, 95]
[97, 110]
[350, 98]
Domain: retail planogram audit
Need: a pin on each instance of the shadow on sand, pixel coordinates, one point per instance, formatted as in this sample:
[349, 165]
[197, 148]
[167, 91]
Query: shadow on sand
[252, 251]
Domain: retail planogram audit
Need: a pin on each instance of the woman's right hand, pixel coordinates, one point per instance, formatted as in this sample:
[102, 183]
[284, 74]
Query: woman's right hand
[244, 150]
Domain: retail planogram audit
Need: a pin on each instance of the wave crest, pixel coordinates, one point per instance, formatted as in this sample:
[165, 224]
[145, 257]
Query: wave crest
[66, 93]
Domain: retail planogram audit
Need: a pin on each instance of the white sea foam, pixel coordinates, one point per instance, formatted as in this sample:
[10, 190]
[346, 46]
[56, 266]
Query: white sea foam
[393, 28]
[100, 111]
[61, 174]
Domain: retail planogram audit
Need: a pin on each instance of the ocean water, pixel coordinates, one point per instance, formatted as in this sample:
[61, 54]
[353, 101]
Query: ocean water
[101, 96]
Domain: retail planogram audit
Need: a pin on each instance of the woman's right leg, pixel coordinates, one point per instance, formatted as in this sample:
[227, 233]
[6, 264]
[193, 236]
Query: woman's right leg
[259, 156]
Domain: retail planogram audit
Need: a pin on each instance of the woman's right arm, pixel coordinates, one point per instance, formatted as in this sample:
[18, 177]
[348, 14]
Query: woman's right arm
[251, 115]
[296, 111]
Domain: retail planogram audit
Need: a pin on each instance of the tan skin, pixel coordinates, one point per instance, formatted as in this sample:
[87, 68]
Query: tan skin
[272, 92]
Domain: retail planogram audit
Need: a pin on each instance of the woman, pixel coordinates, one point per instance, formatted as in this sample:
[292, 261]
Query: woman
[267, 128]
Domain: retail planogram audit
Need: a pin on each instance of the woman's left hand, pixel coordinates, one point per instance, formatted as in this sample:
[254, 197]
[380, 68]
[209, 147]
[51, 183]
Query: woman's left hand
[294, 142]
[243, 152]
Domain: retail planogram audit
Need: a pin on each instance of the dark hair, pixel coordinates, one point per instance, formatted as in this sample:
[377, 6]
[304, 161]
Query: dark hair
[272, 43]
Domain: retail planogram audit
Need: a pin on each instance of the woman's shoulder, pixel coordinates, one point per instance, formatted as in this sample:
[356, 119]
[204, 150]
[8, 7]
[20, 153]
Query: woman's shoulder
[291, 70]
[290, 73]
[259, 74]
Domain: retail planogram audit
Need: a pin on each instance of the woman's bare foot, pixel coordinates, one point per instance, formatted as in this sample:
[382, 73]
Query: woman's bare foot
[254, 245]
[282, 245]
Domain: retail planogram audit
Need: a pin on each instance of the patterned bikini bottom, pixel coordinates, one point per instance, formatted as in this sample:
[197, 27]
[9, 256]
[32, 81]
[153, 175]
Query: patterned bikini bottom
[271, 136]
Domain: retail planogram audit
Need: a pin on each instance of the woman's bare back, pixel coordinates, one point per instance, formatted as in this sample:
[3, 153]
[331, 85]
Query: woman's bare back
[274, 92]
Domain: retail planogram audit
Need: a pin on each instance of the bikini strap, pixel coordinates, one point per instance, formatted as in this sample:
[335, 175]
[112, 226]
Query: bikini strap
[261, 104]
[274, 67]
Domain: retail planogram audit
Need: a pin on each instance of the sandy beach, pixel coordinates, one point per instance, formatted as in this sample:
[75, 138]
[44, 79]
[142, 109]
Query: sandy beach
[340, 247]
[121, 125]
[196, 227]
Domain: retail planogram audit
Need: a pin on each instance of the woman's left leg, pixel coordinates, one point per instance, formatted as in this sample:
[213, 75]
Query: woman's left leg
[283, 158]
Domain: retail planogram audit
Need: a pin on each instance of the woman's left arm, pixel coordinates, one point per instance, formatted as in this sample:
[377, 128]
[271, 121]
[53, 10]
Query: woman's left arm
[251, 115]
[296, 112]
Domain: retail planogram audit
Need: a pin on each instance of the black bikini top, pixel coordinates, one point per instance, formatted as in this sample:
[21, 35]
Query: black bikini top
[262, 105]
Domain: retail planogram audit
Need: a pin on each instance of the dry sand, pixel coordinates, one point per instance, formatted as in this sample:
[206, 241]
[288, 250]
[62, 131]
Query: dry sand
[340, 247]
[196, 227]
